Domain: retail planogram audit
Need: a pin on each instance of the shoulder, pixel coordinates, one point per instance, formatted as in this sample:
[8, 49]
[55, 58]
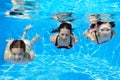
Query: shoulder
[53, 38]
[55, 35]
[7, 55]
[74, 39]
[90, 34]
[113, 32]
[29, 56]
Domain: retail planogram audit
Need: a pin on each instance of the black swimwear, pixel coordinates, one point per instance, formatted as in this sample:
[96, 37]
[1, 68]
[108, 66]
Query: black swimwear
[103, 41]
[66, 47]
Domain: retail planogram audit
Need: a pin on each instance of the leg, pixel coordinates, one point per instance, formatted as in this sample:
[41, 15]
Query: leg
[25, 31]
[34, 39]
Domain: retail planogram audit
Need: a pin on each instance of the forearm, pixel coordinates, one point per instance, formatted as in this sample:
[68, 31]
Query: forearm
[6, 55]
[53, 38]
[8, 44]
[89, 35]
[74, 39]
[31, 55]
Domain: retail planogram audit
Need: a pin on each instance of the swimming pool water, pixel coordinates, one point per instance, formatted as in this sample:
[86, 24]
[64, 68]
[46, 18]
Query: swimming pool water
[85, 61]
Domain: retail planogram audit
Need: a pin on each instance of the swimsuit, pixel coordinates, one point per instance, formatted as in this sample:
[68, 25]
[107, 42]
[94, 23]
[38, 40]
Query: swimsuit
[28, 45]
[103, 41]
[67, 47]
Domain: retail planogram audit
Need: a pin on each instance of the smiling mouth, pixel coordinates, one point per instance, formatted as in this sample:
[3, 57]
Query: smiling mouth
[106, 36]
[65, 40]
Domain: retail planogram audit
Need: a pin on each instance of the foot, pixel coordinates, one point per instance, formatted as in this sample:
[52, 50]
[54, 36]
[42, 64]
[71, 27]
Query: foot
[28, 27]
[37, 36]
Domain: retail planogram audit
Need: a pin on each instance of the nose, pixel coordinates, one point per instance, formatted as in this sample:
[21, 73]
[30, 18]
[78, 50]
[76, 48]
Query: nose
[64, 37]
[106, 32]
[16, 57]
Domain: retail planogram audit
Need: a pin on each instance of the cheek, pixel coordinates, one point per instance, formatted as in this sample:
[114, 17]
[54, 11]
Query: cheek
[20, 56]
[12, 56]
[101, 31]
[68, 37]
[60, 36]
[107, 32]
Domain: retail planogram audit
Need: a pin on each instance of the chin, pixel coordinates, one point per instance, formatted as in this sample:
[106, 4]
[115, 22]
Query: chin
[15, 61]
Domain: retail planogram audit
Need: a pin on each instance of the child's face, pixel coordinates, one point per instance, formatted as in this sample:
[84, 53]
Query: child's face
[64, 34]
[105, 30]
[17, 55]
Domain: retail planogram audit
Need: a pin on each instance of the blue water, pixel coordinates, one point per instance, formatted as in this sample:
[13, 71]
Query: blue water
[85, 61]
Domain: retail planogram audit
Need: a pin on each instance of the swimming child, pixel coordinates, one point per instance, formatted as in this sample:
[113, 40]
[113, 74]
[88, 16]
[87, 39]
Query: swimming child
[65, 37]
[100, 32]
[19, 51]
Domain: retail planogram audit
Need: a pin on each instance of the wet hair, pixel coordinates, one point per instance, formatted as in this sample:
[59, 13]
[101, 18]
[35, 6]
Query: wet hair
[92, 26]
[63, 25]
[100, 23]
[18, 44]
[111, 23]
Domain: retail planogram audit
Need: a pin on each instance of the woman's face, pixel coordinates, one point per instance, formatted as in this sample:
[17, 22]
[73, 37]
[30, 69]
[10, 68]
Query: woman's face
[64, 34]
[17, 54]
[105, 30]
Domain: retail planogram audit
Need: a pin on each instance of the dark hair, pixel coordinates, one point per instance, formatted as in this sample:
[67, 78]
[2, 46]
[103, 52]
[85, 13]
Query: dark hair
[18, 44]
[15, 13]
[63, 25]
[111, 23]
[92, 26]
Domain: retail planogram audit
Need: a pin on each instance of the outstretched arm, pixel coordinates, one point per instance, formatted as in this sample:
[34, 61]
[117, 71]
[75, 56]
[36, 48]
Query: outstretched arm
[31, 55]
[7, 50]
[9, 43]
[7, 55]
[53, 38]
[91, 36]
[74, 39]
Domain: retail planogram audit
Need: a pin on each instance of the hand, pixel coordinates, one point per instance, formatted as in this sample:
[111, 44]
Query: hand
[37, 36]
[85, 33]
